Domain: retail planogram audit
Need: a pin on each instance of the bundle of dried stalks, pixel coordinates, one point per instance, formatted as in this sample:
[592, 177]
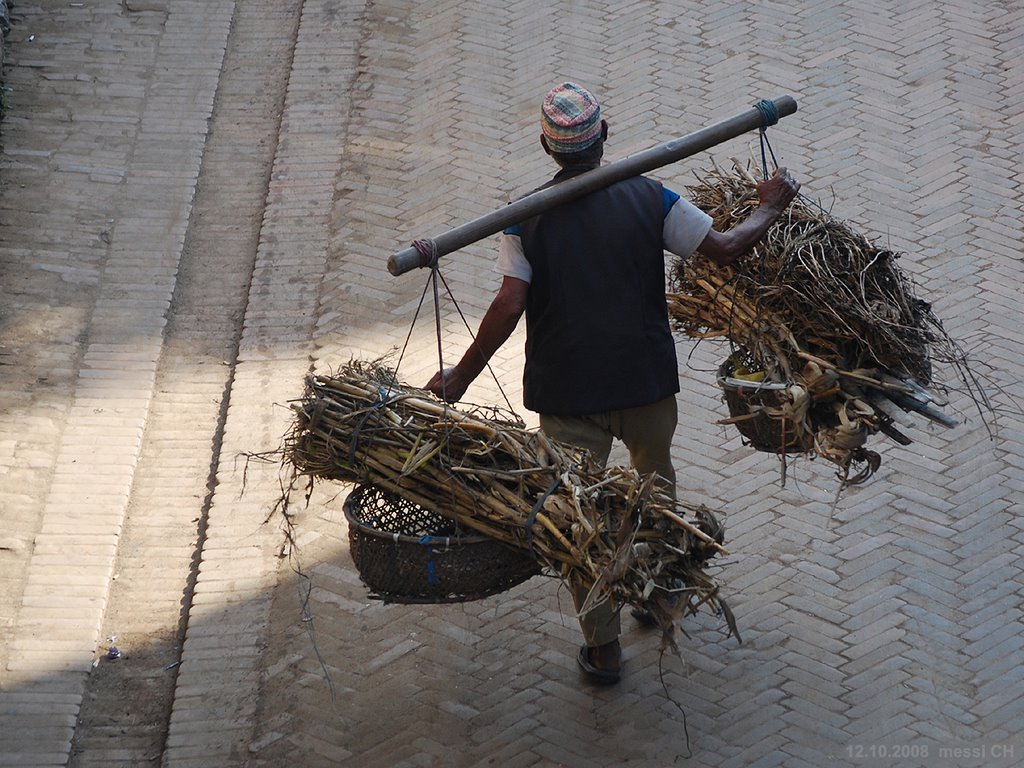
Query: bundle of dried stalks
[610, 529]
[827, 333]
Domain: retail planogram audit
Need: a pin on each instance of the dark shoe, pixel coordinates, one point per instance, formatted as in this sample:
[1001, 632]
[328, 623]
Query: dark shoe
[646, 618]
[609, 670]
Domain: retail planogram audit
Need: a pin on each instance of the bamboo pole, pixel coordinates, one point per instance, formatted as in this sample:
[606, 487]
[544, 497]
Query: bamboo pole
[599, 178]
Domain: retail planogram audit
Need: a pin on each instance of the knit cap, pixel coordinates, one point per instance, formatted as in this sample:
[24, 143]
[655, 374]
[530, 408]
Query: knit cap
[570, 118]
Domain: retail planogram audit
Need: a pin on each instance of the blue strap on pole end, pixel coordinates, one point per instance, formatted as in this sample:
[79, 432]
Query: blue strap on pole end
[769, 114]
[769, 117]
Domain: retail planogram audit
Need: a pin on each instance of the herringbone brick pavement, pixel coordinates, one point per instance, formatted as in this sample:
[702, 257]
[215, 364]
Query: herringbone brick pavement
[880, 623]
[881, 626]
[103, 143]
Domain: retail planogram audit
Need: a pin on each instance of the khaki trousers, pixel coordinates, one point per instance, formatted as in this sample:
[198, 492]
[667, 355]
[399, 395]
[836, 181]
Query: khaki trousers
[647, 433]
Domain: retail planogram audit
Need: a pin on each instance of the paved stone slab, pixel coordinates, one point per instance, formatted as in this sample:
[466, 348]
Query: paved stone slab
[86, 202]
[886, 617]
[839, 600]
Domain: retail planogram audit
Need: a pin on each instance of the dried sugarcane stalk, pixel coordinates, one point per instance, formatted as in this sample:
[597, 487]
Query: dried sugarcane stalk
[610, 529]
[814, 298]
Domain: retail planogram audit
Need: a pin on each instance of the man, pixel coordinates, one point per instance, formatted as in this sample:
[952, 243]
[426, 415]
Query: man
[590, 276]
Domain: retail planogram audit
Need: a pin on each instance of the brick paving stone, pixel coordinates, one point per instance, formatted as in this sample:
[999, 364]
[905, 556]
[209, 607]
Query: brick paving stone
[903, 589]
[130, 375]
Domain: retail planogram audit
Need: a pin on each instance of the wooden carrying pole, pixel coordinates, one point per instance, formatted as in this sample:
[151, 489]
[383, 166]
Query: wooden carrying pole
[599, 178]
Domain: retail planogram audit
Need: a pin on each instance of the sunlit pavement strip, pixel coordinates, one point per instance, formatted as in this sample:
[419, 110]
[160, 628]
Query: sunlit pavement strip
[126, 170]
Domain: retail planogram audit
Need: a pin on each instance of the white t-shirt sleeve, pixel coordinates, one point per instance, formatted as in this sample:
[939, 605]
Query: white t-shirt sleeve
[685, 228]
[511, 259]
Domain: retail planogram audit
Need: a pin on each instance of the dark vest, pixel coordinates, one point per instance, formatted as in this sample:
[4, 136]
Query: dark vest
[597, 330]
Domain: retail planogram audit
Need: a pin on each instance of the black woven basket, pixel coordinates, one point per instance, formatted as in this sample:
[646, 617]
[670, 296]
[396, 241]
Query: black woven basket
[407, 554]
[762, 432]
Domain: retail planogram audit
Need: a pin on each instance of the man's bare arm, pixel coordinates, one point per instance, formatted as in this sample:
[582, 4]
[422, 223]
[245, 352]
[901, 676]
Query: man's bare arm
[775, 195]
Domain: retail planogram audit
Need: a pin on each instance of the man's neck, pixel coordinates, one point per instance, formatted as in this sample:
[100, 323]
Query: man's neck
[573, 170]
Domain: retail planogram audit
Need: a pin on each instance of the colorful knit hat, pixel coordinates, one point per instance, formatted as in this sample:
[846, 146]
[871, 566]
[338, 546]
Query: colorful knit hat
[570, 118]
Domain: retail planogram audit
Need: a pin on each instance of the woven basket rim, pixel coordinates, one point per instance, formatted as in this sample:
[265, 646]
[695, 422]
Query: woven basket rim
[401, 538]
[762, 432]
[725, 381]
